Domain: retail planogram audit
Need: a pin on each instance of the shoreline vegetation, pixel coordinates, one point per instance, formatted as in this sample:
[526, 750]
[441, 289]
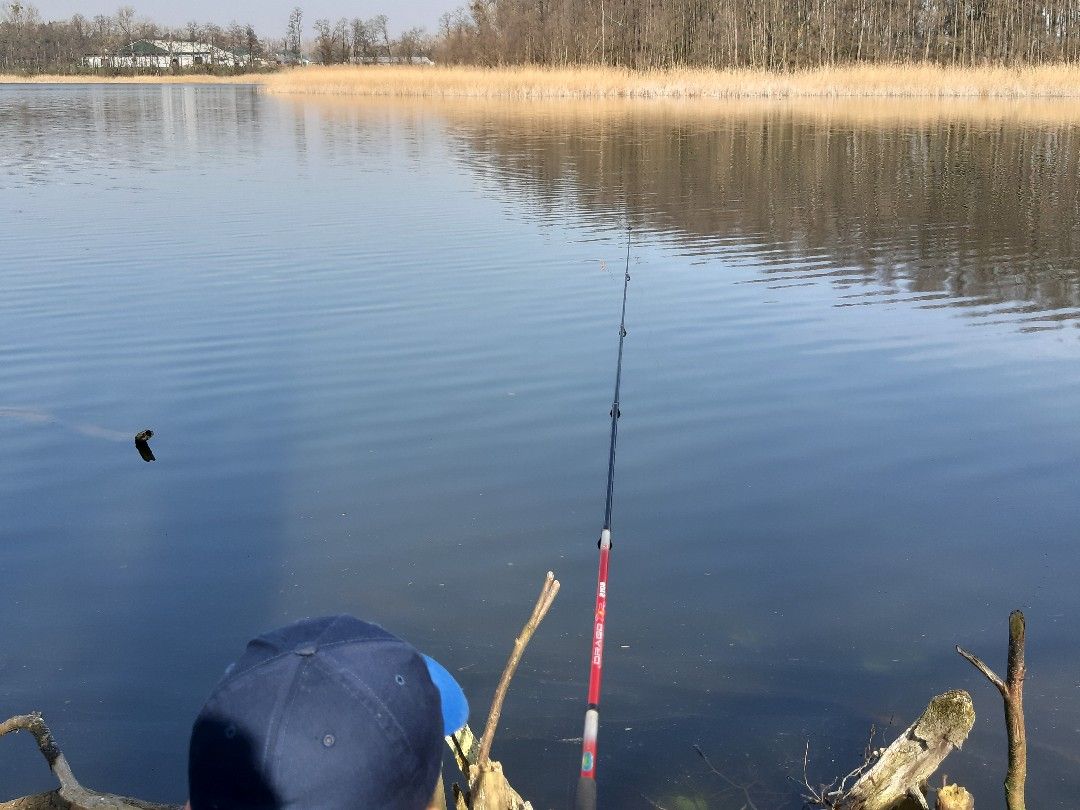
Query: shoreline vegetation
[914, 80]
[592, 82]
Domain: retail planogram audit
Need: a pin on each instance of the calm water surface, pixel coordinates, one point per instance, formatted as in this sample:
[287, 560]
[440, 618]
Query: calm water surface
[376, 340]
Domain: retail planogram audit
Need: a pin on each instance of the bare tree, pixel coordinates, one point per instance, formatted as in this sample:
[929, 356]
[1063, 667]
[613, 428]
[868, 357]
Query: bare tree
[324, 41]
[411, 43]
[125, 21]
[252, 45]
[379, 30]
[294, 35]
[765, 34]
[341, 40]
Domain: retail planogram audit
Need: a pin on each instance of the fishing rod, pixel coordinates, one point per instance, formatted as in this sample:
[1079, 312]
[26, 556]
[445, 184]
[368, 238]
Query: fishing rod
[585, 798]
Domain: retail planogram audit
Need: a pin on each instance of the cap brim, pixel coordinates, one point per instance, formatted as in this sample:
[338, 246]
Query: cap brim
[455, 707]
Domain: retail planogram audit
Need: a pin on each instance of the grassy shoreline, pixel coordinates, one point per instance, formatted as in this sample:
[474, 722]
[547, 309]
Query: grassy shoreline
[886, 81]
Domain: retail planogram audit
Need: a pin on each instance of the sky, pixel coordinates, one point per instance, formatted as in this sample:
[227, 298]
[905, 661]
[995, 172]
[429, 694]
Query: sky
[268, 16]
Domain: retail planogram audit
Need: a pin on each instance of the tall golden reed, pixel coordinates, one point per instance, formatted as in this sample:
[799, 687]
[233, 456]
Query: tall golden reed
[900, 80]
[585, 82]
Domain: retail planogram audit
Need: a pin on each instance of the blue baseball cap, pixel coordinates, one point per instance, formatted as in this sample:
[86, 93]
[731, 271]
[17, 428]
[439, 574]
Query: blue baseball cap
[324, 714]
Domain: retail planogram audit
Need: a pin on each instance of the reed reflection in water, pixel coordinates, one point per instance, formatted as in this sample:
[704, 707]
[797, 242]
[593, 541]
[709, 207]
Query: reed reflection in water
[959, 203]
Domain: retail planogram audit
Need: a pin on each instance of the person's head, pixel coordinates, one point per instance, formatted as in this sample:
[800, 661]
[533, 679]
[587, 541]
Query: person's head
[324, 713]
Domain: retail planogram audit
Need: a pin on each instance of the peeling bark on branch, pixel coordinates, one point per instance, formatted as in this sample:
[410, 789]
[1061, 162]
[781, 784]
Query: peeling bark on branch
[914, 756]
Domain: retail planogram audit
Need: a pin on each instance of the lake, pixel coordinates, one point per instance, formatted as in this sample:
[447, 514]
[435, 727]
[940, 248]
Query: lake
[376, 343]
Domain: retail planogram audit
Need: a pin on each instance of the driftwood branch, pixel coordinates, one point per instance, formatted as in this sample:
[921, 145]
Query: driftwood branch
[488, 787]
[543, 603]
[71, 795]
[1012, 693]
[903, 768]
[58, 764]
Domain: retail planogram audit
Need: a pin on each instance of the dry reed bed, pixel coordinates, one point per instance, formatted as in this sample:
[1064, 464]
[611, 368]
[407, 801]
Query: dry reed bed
[245, 78]
[896, 81]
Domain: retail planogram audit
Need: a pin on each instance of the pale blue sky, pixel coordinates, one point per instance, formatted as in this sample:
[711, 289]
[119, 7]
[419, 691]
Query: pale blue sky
[268, 16]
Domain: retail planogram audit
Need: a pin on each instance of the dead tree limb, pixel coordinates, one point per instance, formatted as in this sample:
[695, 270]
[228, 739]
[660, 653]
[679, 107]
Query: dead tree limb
[488, 787]
[543, 603]
[58, 764]
[903, 767]
[71, 795]
[1012, 693]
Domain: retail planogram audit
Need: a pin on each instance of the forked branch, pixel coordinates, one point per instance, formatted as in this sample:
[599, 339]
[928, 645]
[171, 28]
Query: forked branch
[1012, 693]
[543, 603]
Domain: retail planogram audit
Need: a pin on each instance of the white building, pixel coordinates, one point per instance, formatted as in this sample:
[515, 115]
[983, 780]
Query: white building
[392, 60]
[166, 54]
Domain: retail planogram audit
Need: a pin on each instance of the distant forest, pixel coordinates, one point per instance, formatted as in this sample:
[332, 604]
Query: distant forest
[764, 34]
[777, 35]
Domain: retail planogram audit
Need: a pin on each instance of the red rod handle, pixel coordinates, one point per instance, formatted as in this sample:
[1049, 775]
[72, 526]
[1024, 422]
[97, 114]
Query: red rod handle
[587, 783]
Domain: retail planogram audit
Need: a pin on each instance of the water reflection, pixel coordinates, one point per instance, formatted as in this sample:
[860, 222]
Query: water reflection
[938, 203]
[384, 332]
[102, 133]
[976, 210]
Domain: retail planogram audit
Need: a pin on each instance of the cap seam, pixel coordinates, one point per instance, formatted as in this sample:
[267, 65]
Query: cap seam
[357, 688]
[274, 735]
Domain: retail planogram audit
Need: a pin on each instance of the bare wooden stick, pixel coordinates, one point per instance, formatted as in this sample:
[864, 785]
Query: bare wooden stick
[543, 604]
[1012, 693]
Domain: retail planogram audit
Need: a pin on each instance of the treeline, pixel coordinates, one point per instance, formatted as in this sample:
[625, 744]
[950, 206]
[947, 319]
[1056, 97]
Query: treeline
[768, 34]
[359, 41]
[29, 44]
[764, 34]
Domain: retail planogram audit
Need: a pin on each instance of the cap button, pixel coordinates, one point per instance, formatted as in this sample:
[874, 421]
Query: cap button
[307, 649]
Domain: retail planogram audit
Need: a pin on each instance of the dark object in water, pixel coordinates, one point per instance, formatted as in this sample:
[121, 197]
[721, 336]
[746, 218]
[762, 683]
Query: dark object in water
[141, 439]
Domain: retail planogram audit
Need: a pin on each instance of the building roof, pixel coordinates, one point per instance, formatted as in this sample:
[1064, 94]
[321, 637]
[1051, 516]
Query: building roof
[142, 47]
[172, 47]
